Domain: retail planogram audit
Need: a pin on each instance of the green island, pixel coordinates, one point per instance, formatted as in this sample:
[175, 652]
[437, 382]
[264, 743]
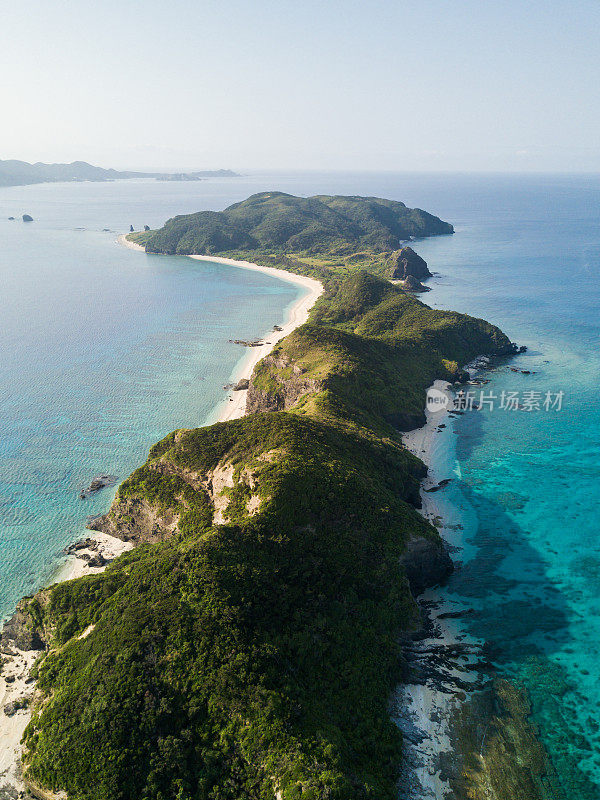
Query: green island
[247, 647]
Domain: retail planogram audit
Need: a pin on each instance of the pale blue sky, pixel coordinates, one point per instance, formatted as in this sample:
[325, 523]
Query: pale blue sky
[438, 85]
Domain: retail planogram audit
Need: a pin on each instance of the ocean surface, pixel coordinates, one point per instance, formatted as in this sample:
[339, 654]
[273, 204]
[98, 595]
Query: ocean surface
[103, 351]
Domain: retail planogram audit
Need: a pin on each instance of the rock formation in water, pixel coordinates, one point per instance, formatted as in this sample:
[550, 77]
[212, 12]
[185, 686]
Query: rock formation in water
[406, 262]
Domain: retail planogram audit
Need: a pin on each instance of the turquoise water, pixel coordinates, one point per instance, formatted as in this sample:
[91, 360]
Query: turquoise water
[102, 351]
[527, 256]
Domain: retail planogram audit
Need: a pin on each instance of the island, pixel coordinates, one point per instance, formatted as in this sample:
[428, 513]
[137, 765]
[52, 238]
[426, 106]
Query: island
[246, 647]
[21, 173]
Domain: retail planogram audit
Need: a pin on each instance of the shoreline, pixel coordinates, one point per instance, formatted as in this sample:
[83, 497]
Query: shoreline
[15, 684]
[234, 405]
[459, 716]
[438, 680]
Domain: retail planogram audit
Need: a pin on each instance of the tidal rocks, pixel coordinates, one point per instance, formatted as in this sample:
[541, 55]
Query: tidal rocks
[131, 229]
[426, 563]
[439, 485]
[98, 483]
[97, 561]
[10, 709]
[406, 262]
[242, 384]
[82, 544]
[146, 227]
[246, 342]
[27, 218]
[11, 218]
[495, 746]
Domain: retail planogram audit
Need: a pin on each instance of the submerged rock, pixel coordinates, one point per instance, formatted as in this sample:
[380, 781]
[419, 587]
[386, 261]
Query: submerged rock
[97, 484]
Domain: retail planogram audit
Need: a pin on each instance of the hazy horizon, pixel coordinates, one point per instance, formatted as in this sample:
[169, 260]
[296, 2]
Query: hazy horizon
[277, 86]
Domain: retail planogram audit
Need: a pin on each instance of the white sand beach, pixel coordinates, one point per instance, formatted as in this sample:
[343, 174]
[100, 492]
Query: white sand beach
[15, 685]
[76, 566]
[234, 406]
[424, 711]
[122, 239]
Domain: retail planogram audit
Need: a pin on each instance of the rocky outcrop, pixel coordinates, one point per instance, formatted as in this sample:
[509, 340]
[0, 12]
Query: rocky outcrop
[21, 632]
[412, 284]
[288, 388]
[136, 520]
[426, 563]
[27, 218]
[406, 262]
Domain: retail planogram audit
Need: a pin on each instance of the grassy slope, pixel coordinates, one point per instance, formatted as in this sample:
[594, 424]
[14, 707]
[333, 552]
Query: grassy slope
[323, 236]
[255, 657]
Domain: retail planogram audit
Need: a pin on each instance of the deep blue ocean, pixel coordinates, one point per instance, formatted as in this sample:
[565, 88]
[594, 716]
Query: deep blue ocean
[104, 350]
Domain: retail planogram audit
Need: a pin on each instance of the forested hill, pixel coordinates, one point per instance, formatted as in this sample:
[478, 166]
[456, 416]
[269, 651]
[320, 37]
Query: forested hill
[21, 173]
[247, 648]
[275, 222]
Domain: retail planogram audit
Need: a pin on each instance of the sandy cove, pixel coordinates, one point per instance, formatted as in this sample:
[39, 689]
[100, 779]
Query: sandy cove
[234, 406]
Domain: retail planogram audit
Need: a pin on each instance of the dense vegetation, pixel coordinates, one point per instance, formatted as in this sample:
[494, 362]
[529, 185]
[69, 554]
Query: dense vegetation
[253, 659]
[320, 232]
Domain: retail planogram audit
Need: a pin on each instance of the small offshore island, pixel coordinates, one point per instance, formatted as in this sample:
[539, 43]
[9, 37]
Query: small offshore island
[247, 645]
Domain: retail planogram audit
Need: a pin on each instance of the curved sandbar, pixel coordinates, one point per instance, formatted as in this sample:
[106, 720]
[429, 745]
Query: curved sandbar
[297, 315]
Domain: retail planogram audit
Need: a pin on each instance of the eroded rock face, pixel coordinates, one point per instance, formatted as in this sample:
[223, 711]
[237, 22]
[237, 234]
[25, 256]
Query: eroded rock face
[135, 520]
[406, 262]
[426, 563]
[288, 391]
[412, 284]
[20, 632]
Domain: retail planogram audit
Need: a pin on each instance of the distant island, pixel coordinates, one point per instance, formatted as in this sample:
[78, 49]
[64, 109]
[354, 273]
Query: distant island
[247, 646]
[21, 173]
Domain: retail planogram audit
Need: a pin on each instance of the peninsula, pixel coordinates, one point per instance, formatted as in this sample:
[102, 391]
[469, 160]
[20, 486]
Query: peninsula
[21, 173]
[246, 647]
